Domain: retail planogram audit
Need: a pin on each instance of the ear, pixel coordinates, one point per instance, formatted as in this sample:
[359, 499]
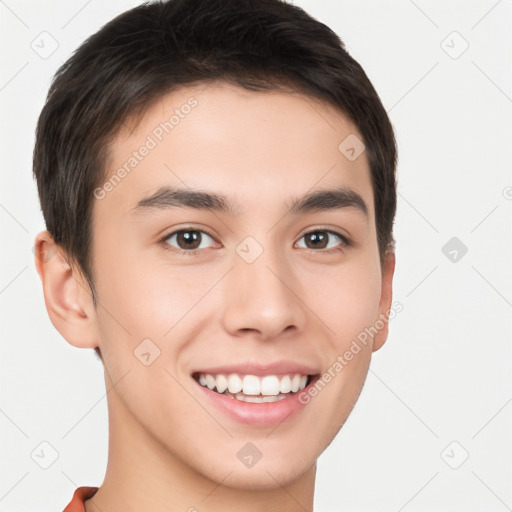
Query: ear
[386, 298]
[67, 294]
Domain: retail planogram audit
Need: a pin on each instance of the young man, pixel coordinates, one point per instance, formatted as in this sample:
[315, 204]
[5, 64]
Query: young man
[217, 179]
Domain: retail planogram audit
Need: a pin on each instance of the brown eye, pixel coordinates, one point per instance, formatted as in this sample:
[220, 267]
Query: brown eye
[317, 239]
[320, 240]
[187, 240]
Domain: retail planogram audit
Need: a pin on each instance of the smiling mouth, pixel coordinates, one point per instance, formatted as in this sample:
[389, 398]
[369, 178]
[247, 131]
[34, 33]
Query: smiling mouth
[251, 388]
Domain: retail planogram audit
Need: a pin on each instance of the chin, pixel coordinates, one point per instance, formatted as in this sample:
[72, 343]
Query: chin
[264, 478]
[270, 472]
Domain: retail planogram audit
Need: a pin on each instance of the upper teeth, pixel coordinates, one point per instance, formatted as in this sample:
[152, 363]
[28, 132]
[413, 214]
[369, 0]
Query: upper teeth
[254, 385]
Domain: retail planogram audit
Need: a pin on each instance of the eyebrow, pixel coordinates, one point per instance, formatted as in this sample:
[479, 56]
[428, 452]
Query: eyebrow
[322, 200]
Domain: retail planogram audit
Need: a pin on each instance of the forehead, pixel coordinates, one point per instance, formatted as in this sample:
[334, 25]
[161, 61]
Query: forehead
[257, 148]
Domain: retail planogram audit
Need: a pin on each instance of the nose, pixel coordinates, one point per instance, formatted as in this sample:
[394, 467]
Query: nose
[263, 298]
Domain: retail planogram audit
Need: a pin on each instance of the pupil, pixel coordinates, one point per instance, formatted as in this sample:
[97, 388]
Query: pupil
[189, 239]
[317, 237]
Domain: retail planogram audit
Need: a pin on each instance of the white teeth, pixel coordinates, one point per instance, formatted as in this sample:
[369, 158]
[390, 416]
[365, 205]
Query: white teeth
[252, 386]
[210, 381]
[295, 383]
[286, 384]
[270, 385]
[222, 383]
[258, 399]
[234, 383]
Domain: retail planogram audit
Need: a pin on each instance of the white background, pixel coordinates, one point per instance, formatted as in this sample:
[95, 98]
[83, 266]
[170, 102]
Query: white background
[444, 374]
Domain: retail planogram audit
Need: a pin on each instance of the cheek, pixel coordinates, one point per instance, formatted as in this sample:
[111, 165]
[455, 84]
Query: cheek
[147, 298]
[347, 300]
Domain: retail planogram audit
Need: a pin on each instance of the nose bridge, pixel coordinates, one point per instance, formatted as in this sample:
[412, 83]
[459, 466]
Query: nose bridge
[259, 293]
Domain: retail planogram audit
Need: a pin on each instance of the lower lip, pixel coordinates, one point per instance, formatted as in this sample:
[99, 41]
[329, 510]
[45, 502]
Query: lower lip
[257, 414]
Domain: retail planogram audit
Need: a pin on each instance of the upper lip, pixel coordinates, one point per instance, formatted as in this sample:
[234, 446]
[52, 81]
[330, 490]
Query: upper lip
[253, 368]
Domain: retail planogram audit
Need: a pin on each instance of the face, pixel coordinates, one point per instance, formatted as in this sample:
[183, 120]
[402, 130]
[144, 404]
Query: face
[246, 290]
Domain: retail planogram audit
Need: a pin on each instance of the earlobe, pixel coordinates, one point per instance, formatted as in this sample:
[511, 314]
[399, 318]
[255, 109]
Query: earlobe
[68, 300]
[386, 299]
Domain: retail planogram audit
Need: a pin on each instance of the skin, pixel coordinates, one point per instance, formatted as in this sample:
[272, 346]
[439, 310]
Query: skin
[168, 448]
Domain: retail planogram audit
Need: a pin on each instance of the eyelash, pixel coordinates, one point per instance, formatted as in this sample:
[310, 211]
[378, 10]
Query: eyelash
[345, 242]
